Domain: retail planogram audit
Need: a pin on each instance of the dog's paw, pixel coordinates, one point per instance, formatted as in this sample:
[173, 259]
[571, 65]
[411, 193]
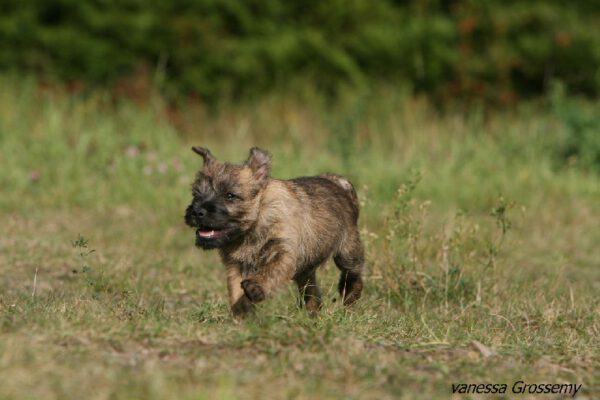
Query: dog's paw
[242, 308]
[253, 290]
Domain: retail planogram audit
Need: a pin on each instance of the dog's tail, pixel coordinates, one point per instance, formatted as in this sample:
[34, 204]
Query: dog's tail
[345, 184]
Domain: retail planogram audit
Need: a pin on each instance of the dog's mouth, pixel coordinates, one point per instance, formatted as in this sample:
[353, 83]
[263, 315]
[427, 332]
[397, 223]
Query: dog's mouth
[210, 233]
[212, 237]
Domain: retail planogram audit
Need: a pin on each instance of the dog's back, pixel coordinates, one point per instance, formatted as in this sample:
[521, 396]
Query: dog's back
[319, 220]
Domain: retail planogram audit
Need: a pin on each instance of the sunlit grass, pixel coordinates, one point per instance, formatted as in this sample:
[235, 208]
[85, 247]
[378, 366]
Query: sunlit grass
[474, 231]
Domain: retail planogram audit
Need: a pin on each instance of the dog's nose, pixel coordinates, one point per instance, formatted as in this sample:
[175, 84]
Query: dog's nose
[199, 210]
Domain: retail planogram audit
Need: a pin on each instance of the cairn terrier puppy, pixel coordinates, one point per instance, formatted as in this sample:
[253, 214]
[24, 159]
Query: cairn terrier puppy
[270, 231]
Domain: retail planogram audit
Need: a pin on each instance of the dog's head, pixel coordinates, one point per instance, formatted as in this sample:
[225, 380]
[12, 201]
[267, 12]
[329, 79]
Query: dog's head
[226, 197]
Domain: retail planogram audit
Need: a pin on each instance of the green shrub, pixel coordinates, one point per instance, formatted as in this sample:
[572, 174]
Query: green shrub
[495, 50]
[579, 144]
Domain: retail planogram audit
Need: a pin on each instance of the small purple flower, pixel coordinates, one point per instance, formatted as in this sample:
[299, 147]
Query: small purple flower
[35, 176]
[132, 151]
[178, 166]
[152, 156]
[162, 168]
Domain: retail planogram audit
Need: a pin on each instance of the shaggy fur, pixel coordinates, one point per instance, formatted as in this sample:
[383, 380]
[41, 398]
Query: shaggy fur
[271, 231]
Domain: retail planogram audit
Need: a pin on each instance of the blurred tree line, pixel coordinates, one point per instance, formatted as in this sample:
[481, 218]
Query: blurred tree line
[495, 50]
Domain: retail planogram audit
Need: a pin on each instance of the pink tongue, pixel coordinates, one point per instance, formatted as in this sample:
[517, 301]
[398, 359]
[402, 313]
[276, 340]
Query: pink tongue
[206, 233]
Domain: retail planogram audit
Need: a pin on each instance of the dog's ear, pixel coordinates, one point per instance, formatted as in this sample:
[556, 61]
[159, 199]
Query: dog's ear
[259, 162]
[204, 153]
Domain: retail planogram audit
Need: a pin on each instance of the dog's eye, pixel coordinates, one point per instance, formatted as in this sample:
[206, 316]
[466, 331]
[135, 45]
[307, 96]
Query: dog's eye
[231, 196]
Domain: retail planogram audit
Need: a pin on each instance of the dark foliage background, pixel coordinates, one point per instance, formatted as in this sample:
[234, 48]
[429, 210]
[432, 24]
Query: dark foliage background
[495, 50]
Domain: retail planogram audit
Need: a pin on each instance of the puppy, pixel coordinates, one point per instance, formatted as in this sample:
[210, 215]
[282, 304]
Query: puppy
[270, 231]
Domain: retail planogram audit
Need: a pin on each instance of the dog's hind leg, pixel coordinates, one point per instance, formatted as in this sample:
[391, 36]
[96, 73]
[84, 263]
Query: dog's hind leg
[350, 260]
[309, 291]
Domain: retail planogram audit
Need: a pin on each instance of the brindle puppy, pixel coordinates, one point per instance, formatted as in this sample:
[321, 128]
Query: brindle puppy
[271, 231]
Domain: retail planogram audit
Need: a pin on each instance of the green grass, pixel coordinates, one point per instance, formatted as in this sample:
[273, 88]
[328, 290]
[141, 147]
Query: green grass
[475, 231]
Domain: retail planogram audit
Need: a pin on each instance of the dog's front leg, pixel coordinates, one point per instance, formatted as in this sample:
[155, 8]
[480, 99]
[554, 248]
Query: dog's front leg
[240, 304]
[263, 280]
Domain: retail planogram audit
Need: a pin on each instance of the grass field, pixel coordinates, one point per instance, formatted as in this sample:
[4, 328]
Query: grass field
[482, 244]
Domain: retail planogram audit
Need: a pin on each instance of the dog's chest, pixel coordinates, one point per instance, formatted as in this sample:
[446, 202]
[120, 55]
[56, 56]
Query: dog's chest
[246, 255]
